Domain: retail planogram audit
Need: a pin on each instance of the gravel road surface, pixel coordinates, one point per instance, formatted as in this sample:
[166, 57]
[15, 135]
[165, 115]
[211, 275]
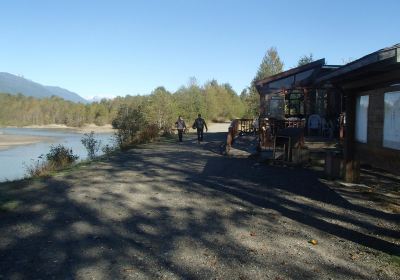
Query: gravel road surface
[183, 211]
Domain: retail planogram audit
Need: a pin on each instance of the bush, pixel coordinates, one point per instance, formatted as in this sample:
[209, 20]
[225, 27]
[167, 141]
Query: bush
[149, 133]
[108, 149]
[37, 168]
[91, 144]
[60, 156]
[132, 127]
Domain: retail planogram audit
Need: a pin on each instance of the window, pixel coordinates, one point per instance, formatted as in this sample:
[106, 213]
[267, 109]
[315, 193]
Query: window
[276, 107]
[362, 118]
[321, 102]
[294, 103]
[391, 123]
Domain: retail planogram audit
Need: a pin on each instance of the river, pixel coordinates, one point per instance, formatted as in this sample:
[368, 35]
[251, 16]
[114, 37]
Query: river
[13, 160]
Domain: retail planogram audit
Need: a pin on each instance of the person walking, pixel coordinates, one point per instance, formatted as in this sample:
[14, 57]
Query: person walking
[181, 126]
[199, 124]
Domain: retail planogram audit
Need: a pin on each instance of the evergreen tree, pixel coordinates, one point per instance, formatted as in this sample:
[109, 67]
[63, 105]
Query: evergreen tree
[271, 64]
[305, 59]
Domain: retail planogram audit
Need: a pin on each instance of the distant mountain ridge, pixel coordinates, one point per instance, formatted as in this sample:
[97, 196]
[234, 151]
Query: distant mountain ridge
[13, 84]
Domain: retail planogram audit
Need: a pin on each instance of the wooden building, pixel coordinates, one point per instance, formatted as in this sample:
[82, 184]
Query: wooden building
[293, 105]
[293, 93]
[365, 93]
[370, 87]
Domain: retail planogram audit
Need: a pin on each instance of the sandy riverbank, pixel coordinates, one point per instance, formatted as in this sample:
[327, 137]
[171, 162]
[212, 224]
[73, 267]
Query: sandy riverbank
[84, 129]
[7, 140]
[212, 127]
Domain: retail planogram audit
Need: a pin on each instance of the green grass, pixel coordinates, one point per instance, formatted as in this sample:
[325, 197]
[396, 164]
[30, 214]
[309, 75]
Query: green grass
[395, 260]
[9, 205]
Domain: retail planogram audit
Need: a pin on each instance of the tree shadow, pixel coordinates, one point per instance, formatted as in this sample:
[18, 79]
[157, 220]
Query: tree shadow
[176, 211]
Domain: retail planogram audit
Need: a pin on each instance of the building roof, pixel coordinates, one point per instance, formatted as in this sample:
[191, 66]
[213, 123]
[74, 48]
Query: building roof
[293, 71]
[302, 76]
[378, 61]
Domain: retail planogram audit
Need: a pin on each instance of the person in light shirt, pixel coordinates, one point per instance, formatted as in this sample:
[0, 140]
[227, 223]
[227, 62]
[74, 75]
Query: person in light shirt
[181, 126]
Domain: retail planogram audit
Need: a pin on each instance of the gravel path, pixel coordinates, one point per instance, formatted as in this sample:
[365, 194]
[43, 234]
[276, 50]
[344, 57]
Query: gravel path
[182, 211]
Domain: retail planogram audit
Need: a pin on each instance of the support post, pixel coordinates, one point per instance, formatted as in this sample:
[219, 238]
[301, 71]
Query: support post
[351, 162]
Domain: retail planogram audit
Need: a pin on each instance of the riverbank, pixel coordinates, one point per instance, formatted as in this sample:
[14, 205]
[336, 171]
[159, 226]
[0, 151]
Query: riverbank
[9, 140]
[84, 129]
[213, 127]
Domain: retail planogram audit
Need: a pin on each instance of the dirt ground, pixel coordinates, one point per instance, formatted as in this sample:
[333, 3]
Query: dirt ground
[183, 211]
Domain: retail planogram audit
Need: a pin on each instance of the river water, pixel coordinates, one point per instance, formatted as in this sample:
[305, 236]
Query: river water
[13, 161]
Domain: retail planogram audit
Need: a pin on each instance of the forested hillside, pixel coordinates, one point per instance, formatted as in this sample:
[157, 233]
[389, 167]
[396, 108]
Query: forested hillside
[216, 102]
[13, 84]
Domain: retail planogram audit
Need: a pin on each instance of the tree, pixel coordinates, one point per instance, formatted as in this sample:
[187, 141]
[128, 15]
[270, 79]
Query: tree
[160, 109]
[129, 122]
[347, 60]
[305, 59]
[91, 144]
[271, 64]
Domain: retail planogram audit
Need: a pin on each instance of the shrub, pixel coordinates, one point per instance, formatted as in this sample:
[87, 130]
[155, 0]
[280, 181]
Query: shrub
[91, 144]
[108, 149]
[37, 168]
[149, 133]
[60, 156]
[129, 122]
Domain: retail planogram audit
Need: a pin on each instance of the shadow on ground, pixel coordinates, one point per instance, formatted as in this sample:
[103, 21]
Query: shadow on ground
[183, 211]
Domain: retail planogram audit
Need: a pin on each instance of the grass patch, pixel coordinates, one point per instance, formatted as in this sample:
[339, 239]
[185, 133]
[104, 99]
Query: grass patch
[395, 260]
[7, 206]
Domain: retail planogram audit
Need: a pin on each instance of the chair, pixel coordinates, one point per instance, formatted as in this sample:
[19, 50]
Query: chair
[314, 124]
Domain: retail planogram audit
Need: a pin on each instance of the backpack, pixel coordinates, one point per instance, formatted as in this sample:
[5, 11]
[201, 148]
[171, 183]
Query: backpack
[198, 123]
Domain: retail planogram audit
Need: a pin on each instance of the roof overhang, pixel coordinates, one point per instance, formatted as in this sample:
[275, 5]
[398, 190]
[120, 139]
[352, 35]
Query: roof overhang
[293, 71]
[376, 69]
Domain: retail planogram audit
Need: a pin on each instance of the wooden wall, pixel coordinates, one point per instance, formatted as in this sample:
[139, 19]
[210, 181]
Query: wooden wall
[373, 152]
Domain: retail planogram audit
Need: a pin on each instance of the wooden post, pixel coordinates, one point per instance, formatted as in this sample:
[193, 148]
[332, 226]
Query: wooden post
[351, 162]
[305, 101]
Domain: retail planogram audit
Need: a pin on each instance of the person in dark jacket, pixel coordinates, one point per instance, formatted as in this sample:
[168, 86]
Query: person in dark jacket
[200, 124]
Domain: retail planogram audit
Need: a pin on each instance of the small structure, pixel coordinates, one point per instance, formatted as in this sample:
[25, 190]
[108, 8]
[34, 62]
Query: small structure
[370, 87]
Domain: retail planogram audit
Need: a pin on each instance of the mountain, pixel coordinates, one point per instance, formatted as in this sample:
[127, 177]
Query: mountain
[98, 98]
[13, 84]
[66, 94]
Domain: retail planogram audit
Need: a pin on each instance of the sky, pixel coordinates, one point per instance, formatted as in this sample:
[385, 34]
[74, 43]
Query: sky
[110, 48]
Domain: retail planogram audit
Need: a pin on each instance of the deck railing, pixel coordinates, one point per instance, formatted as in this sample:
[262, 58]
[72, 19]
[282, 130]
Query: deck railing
[269, 128]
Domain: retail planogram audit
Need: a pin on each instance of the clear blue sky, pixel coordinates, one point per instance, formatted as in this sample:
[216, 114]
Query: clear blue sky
[130, 47]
